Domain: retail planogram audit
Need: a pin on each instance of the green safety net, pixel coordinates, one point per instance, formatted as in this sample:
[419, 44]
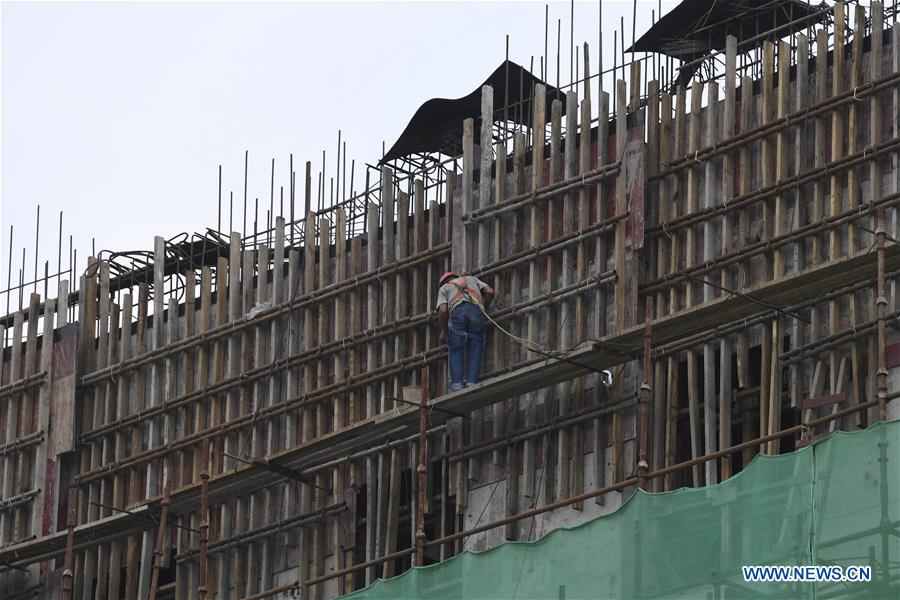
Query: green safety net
[836, 502]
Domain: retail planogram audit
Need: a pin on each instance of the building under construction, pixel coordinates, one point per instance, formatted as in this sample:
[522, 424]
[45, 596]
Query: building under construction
[693, 268]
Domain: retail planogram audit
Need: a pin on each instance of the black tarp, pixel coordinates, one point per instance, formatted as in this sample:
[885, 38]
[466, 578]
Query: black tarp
[695, 28]
[437, 125]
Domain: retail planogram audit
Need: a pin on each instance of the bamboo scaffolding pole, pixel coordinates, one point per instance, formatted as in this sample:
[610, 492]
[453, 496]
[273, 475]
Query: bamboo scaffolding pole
[880, 309]
[202, 589]
[581, 498]
[521, 257]
[547, 192]
[838, 339]
[269, 530]
[301, 400]
[826, 224]
[788, 356]
[422, 470]
[235, 325]
[68, 574]
[390, 345]
[524, 433]
[644, 425]
[160, 541]
[832, 169]
[818, 109]
[23, 385]
[22, 442]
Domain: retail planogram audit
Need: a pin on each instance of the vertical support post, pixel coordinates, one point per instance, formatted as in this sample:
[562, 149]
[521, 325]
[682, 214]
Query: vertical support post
[766, 152]
[800, 203]
[68, 574]
[619, 288]
[876, 187]
[534, 272]
[516, 288]
[880, 309]
[727, 279]
[555, 476]
[500, 351]
[157, 389]
[462, 249]
[781, 154]
[643, 465]
[837, 150]
[710, 401]
[42, 456]
[372, 351]
[693, 192]
[484, 168]
[204, 520]
[581, 268]
[421, 469]
[853, 130]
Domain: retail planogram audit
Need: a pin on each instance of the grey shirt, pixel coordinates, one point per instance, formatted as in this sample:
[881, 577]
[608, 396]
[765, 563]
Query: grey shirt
[448, 292]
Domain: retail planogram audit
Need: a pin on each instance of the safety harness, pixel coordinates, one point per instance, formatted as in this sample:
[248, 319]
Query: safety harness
[464, 292]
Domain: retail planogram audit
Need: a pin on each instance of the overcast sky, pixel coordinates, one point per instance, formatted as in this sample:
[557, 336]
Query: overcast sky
[119, 114]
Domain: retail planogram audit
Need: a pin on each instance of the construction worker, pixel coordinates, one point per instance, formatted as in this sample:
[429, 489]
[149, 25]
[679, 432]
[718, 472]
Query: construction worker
[461, 318]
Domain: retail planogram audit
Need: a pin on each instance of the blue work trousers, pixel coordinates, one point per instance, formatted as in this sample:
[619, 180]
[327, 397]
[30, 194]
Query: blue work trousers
[465, 342]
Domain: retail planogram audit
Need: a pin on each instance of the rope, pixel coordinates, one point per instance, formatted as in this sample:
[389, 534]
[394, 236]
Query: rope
[525, 341]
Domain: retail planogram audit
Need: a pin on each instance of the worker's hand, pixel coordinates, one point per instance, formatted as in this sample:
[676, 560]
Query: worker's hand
[442, 337]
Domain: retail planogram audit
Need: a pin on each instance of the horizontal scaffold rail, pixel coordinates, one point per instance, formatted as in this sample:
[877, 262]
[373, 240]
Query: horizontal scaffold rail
[591, 356]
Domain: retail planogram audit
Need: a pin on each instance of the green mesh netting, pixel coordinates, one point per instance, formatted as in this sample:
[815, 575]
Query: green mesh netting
[833, 503]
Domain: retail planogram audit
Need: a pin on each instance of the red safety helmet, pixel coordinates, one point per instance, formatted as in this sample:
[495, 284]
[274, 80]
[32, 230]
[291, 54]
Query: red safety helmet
[447, 276]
